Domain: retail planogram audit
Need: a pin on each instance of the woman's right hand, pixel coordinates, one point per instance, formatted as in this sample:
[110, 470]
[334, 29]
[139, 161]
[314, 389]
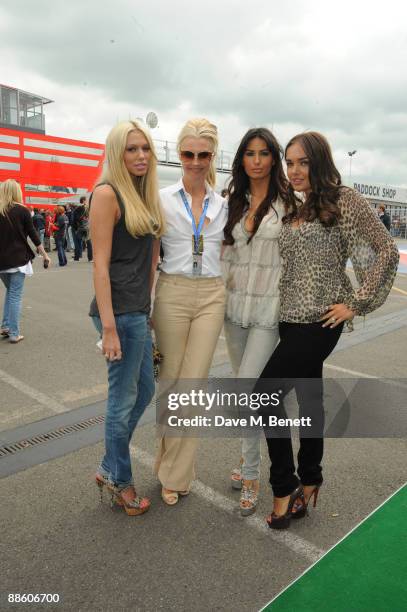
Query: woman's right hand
[111, 348]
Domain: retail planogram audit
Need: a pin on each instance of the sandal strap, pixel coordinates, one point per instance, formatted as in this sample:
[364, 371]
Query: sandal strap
[137, 502]
[249, 495]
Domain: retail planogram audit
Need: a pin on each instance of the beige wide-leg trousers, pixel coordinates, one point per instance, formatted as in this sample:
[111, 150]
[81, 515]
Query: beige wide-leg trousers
[188, 317]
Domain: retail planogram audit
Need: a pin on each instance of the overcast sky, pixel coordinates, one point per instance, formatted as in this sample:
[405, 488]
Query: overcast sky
[338, 67]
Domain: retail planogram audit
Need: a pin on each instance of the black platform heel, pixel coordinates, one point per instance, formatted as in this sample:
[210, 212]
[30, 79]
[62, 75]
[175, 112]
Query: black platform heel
[275, 521]
[301, 510]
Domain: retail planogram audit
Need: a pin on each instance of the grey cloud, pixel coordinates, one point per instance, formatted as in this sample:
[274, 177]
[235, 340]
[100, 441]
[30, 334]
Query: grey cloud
[261, 62]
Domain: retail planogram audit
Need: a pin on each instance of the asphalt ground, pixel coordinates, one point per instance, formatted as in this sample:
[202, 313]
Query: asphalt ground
[58, 538]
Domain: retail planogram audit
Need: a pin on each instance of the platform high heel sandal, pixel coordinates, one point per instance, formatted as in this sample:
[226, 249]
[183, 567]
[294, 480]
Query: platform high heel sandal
[101, 482]
[300, 509]
[275, 521]
[236, 477]
[249, 497]
[136, 506]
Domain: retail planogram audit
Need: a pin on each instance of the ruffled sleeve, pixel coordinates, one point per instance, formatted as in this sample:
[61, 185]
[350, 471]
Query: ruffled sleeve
[372, 251]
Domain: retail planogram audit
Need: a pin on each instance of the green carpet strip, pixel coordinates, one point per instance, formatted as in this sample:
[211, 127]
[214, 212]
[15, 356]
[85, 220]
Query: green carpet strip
[365, 572]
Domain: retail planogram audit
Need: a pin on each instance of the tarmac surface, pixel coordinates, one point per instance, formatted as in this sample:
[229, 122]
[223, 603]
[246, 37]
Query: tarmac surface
[57, 537]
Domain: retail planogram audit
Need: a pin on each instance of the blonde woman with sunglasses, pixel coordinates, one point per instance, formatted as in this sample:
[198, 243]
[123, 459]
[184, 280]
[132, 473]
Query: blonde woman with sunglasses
[189, 302]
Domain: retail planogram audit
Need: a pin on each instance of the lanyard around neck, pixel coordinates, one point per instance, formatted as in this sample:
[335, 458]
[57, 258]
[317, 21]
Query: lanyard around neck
[196, 230]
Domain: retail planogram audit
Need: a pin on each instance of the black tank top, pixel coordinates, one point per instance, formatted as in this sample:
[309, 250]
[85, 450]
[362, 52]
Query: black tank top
[130, 267]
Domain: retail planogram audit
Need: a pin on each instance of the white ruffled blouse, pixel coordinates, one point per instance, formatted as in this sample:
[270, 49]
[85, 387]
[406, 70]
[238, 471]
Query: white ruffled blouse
[252, 272]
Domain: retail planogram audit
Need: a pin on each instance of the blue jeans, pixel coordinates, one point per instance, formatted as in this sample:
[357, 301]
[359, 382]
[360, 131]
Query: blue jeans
[131, 389]
[14, 283]
[59, 243]
[69, 238]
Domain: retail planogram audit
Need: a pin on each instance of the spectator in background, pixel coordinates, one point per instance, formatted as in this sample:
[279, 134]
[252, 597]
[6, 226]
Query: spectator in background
[78, 228]
[61, 223]
[39, 224]
[70, 244]
[49, 223]
[384, 216]
[15, 255]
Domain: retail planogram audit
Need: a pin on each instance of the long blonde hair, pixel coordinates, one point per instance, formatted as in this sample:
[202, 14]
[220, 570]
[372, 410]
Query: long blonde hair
[143, 214]
[202, 128]
[10, 193]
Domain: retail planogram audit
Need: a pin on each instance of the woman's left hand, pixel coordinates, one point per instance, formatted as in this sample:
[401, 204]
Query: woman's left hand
[336, 314]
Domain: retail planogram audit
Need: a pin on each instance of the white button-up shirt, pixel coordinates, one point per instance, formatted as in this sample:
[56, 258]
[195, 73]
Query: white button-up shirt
[177, 241]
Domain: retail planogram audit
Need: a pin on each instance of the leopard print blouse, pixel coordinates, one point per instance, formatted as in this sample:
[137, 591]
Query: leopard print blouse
[314, 262]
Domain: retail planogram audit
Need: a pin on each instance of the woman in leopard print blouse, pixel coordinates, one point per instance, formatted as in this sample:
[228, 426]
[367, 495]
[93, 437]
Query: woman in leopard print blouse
[329, 225]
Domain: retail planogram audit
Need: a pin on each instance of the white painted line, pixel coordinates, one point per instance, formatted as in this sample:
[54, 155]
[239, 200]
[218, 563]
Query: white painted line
[21, 413]
[346, 371]
[335, 545]
[39, 397]
[295, 543]
[385, 381]
[399, 290]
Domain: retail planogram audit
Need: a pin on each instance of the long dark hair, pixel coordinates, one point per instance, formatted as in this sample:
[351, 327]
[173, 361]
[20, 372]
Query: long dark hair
[240, 183]
[325, 180]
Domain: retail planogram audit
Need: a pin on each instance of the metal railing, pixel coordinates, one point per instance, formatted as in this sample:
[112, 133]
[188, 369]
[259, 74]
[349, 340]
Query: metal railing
[399, 230]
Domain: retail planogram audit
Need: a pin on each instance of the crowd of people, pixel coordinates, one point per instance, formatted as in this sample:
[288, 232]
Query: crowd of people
[68, 226]
[267, 261]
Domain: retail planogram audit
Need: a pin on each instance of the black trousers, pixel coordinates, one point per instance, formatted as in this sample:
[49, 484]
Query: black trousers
[300, 355]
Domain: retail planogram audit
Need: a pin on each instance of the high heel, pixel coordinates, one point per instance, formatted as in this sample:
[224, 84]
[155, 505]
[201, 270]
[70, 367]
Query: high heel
[172, 497]
[301, 510]
[136, 506]
[236, 477]
[101, 482]
[249, 497]
[282, 521]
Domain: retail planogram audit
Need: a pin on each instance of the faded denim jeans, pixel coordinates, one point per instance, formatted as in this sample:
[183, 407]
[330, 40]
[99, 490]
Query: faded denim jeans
[131, 389]
[249, 350]
[14, 284]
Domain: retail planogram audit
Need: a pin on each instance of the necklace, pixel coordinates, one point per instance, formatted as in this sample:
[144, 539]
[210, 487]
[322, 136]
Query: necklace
[251, 215]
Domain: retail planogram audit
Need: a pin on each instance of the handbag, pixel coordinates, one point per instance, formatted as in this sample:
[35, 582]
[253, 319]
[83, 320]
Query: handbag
[157, 359]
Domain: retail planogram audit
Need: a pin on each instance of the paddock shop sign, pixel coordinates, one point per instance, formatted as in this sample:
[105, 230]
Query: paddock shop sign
[382, 192]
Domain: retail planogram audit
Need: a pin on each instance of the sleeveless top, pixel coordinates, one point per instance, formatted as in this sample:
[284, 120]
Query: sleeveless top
[129, 271]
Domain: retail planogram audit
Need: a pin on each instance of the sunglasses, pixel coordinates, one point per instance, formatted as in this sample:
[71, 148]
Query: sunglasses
[201, 156]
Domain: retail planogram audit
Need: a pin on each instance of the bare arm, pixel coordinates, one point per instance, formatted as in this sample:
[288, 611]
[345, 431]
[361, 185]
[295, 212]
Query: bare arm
[104, 214]
[154, 262]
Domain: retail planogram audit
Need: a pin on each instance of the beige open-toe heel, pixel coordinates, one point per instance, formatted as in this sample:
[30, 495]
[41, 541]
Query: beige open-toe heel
[169, 497]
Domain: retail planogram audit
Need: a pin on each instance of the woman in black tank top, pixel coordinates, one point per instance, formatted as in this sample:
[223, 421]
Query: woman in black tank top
[125, 222]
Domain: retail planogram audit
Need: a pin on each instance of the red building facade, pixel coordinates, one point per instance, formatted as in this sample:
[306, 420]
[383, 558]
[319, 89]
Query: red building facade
[50, 169]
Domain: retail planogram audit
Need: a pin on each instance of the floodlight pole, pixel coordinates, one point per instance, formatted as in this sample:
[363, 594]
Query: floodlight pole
[351, 154]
